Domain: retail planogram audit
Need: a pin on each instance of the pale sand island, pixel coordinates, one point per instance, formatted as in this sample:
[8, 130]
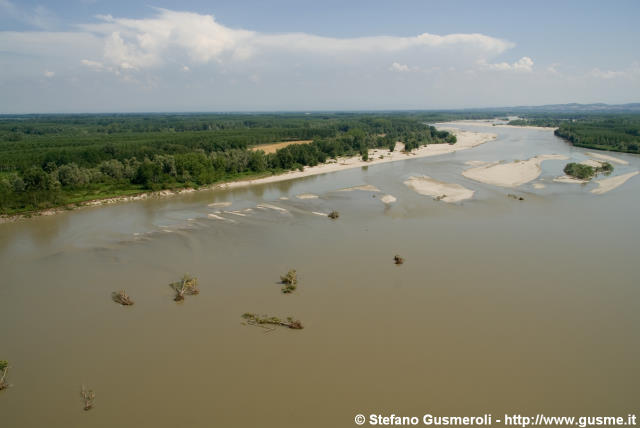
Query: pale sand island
[388, 199]
[364, 188]
[512, 174]
[307, 196]
[607, 158]
[490, 124]
[569, 180]
[607, 184]
[446, 192]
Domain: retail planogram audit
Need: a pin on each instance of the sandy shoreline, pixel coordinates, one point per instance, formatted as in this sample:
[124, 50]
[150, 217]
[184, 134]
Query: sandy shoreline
[466, 140]
[512, 174]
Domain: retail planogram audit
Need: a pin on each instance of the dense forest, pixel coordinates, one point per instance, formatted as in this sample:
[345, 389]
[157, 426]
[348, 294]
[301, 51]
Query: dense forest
[616, 132]
[53, 160]
[621, 134]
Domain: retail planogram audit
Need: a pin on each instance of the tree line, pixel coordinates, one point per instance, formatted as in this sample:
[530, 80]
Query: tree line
[59, 160]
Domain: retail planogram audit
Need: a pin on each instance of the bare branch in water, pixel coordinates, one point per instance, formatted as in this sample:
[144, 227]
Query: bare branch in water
[261, 320]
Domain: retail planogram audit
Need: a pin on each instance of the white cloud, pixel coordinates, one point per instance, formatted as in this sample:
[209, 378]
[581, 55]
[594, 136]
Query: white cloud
[399, 67]
[630, 72]
[95, 65]
[170, 36]
[48, 74]
[524, 64]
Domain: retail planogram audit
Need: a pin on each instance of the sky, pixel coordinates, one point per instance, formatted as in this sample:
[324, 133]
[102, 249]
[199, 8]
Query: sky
[86, 56]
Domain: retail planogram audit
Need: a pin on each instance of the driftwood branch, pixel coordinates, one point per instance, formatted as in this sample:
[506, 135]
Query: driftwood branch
[263, 320]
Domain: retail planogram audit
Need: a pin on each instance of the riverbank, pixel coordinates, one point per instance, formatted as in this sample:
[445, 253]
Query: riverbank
[465, 140]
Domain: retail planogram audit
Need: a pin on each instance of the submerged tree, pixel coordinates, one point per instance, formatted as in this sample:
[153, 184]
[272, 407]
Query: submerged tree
[290, 281]
[398, 260]
[265, 320]
[88, 397]
[4, 369]
[188, 285]
[122, 298]
[334, 215]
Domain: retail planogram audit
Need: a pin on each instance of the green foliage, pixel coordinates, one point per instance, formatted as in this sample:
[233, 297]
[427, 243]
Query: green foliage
[289, 281]
[52, 160]
[605, 168]
[586, 172]
[3, 364]
[616, 133]
[579, 171]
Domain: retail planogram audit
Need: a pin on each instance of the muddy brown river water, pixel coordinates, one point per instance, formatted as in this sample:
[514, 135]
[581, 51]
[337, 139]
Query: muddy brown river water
[502, 306]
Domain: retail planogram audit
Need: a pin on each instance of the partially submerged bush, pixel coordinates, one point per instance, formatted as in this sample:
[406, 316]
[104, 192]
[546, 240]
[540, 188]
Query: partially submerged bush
[122, 298]
[4, 369]
[290, 281]
[398, 260]
[605, 167]
[334, 215]
[264, 320]
[188, 285]
[88, 398]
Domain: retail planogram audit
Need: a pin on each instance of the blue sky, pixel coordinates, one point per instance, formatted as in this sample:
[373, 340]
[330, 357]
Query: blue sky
[94, 55]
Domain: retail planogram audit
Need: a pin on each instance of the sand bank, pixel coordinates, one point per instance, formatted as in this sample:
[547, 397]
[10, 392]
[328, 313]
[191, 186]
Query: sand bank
[364, 187]
[447, 192]
[220, 204]
[490, 124]
[512, 174]
[539, 185]
[607, 184]
[466, 140]
[607, 158]
[388, 199]
[592, 163]
[569, 180]
[307, 196]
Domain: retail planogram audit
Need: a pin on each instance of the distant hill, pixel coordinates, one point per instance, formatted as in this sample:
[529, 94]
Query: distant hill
[569, 108]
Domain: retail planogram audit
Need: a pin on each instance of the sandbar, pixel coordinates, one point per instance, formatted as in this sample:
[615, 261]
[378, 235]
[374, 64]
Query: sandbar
[607, 184]
[447, 192]
[512, 174]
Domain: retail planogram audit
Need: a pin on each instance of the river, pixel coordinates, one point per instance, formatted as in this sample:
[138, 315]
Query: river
[502, 306]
